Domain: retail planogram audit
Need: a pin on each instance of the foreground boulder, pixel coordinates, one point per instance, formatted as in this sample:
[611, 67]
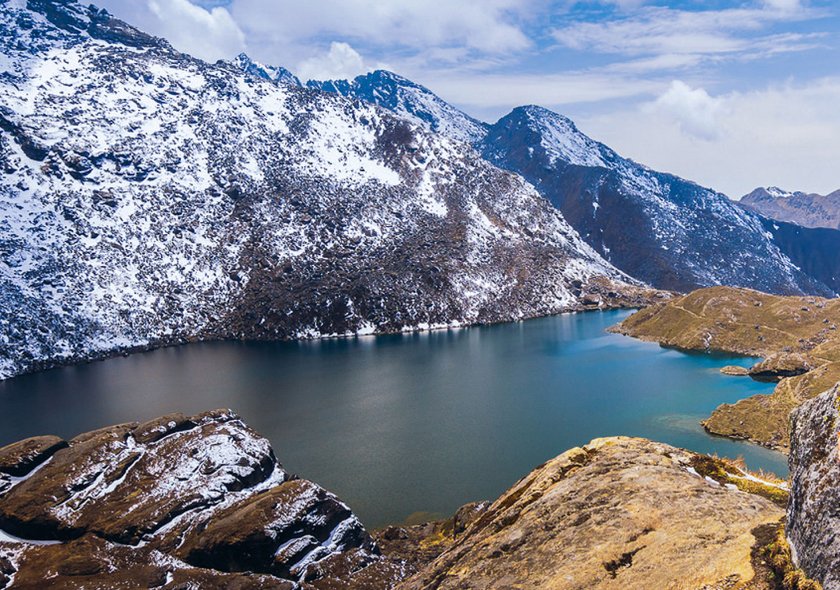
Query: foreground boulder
[813, 520]
[618, 513]
[176, 502]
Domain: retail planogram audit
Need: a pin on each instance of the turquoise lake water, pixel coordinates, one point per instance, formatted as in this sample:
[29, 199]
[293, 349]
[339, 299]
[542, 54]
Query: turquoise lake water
[413, 423]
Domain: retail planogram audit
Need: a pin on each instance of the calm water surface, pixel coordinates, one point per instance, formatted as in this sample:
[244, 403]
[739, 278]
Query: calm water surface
[399, 425]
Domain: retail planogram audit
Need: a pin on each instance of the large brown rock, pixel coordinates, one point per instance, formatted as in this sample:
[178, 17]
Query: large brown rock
[22, 457]
[619, 513]
[199, 500]
[813, 522]
[781, 365]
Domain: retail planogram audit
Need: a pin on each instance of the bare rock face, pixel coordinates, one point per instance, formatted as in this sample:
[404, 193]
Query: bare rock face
[176, 502]
[813, 523]
[779, 366]
[618, 513]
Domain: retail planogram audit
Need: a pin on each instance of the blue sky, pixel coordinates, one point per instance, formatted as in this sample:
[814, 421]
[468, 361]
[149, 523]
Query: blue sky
[732, 94]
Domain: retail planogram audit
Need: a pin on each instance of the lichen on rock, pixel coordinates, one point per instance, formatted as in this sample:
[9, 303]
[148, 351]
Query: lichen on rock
[813, 521]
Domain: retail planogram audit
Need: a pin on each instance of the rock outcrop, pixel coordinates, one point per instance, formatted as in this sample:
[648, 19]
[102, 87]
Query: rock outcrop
[176, 502]
[201, 502]
[797, 336]
[813, 523]
[618, 513]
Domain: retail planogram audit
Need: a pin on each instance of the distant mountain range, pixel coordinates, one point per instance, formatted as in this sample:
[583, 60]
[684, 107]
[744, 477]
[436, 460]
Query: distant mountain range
[668, 232]
[807, 210]
[150, 198]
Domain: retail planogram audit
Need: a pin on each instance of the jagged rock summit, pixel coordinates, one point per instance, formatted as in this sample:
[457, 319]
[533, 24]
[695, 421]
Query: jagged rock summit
[150, 198]
[255, 68]
[409, 100]
[805, 209]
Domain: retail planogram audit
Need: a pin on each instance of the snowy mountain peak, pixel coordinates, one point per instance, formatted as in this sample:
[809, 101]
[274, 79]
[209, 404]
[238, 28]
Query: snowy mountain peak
[778, 193]
[255, 68]
[807, 210]
[70, 17]
[558, 136]
[770, 192]
[409, 100]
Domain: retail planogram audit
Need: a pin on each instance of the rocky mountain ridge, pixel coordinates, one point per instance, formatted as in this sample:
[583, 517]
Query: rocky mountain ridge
[663, 230]
[805, 209]
[409, 100]
[149, 198]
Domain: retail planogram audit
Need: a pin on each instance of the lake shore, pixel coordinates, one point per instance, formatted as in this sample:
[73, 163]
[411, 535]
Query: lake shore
[796, 336]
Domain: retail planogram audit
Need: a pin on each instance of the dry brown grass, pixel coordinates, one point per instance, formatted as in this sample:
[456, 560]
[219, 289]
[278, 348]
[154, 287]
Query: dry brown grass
[747, 322]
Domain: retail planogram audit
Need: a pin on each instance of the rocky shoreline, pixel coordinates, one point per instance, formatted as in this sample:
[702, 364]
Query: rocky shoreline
[796, 336]
[201, 501]
[598, 295]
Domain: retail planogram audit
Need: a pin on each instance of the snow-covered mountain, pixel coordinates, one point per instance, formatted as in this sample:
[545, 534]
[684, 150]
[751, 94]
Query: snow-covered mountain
[409, 100]
[658, 228]
[805, 209]
[150, 198]
[273, 73]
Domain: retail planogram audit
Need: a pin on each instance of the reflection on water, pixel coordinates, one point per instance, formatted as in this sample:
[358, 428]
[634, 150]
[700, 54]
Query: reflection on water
[410, 423]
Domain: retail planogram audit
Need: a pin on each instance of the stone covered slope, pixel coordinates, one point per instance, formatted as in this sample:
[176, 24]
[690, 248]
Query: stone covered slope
[149, 198]
[618, 513]
[813, 523]
[179, 500]
[805, 209]
[798, 336]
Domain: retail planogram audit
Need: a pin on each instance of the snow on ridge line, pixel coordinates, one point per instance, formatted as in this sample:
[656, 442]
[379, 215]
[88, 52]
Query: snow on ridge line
[247, 210]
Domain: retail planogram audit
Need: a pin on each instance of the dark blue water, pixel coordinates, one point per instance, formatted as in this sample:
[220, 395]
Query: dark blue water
[398, 425]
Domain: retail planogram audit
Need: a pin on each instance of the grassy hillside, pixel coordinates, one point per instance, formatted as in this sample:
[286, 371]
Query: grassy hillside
[797, 336]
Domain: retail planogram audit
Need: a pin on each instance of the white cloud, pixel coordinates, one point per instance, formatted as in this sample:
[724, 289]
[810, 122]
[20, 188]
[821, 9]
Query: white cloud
[663, 35]
[284, 25]
[492, 95]
[692, 109]
[208, 34]
[785, 5]
[340, 62]
[783, 135]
